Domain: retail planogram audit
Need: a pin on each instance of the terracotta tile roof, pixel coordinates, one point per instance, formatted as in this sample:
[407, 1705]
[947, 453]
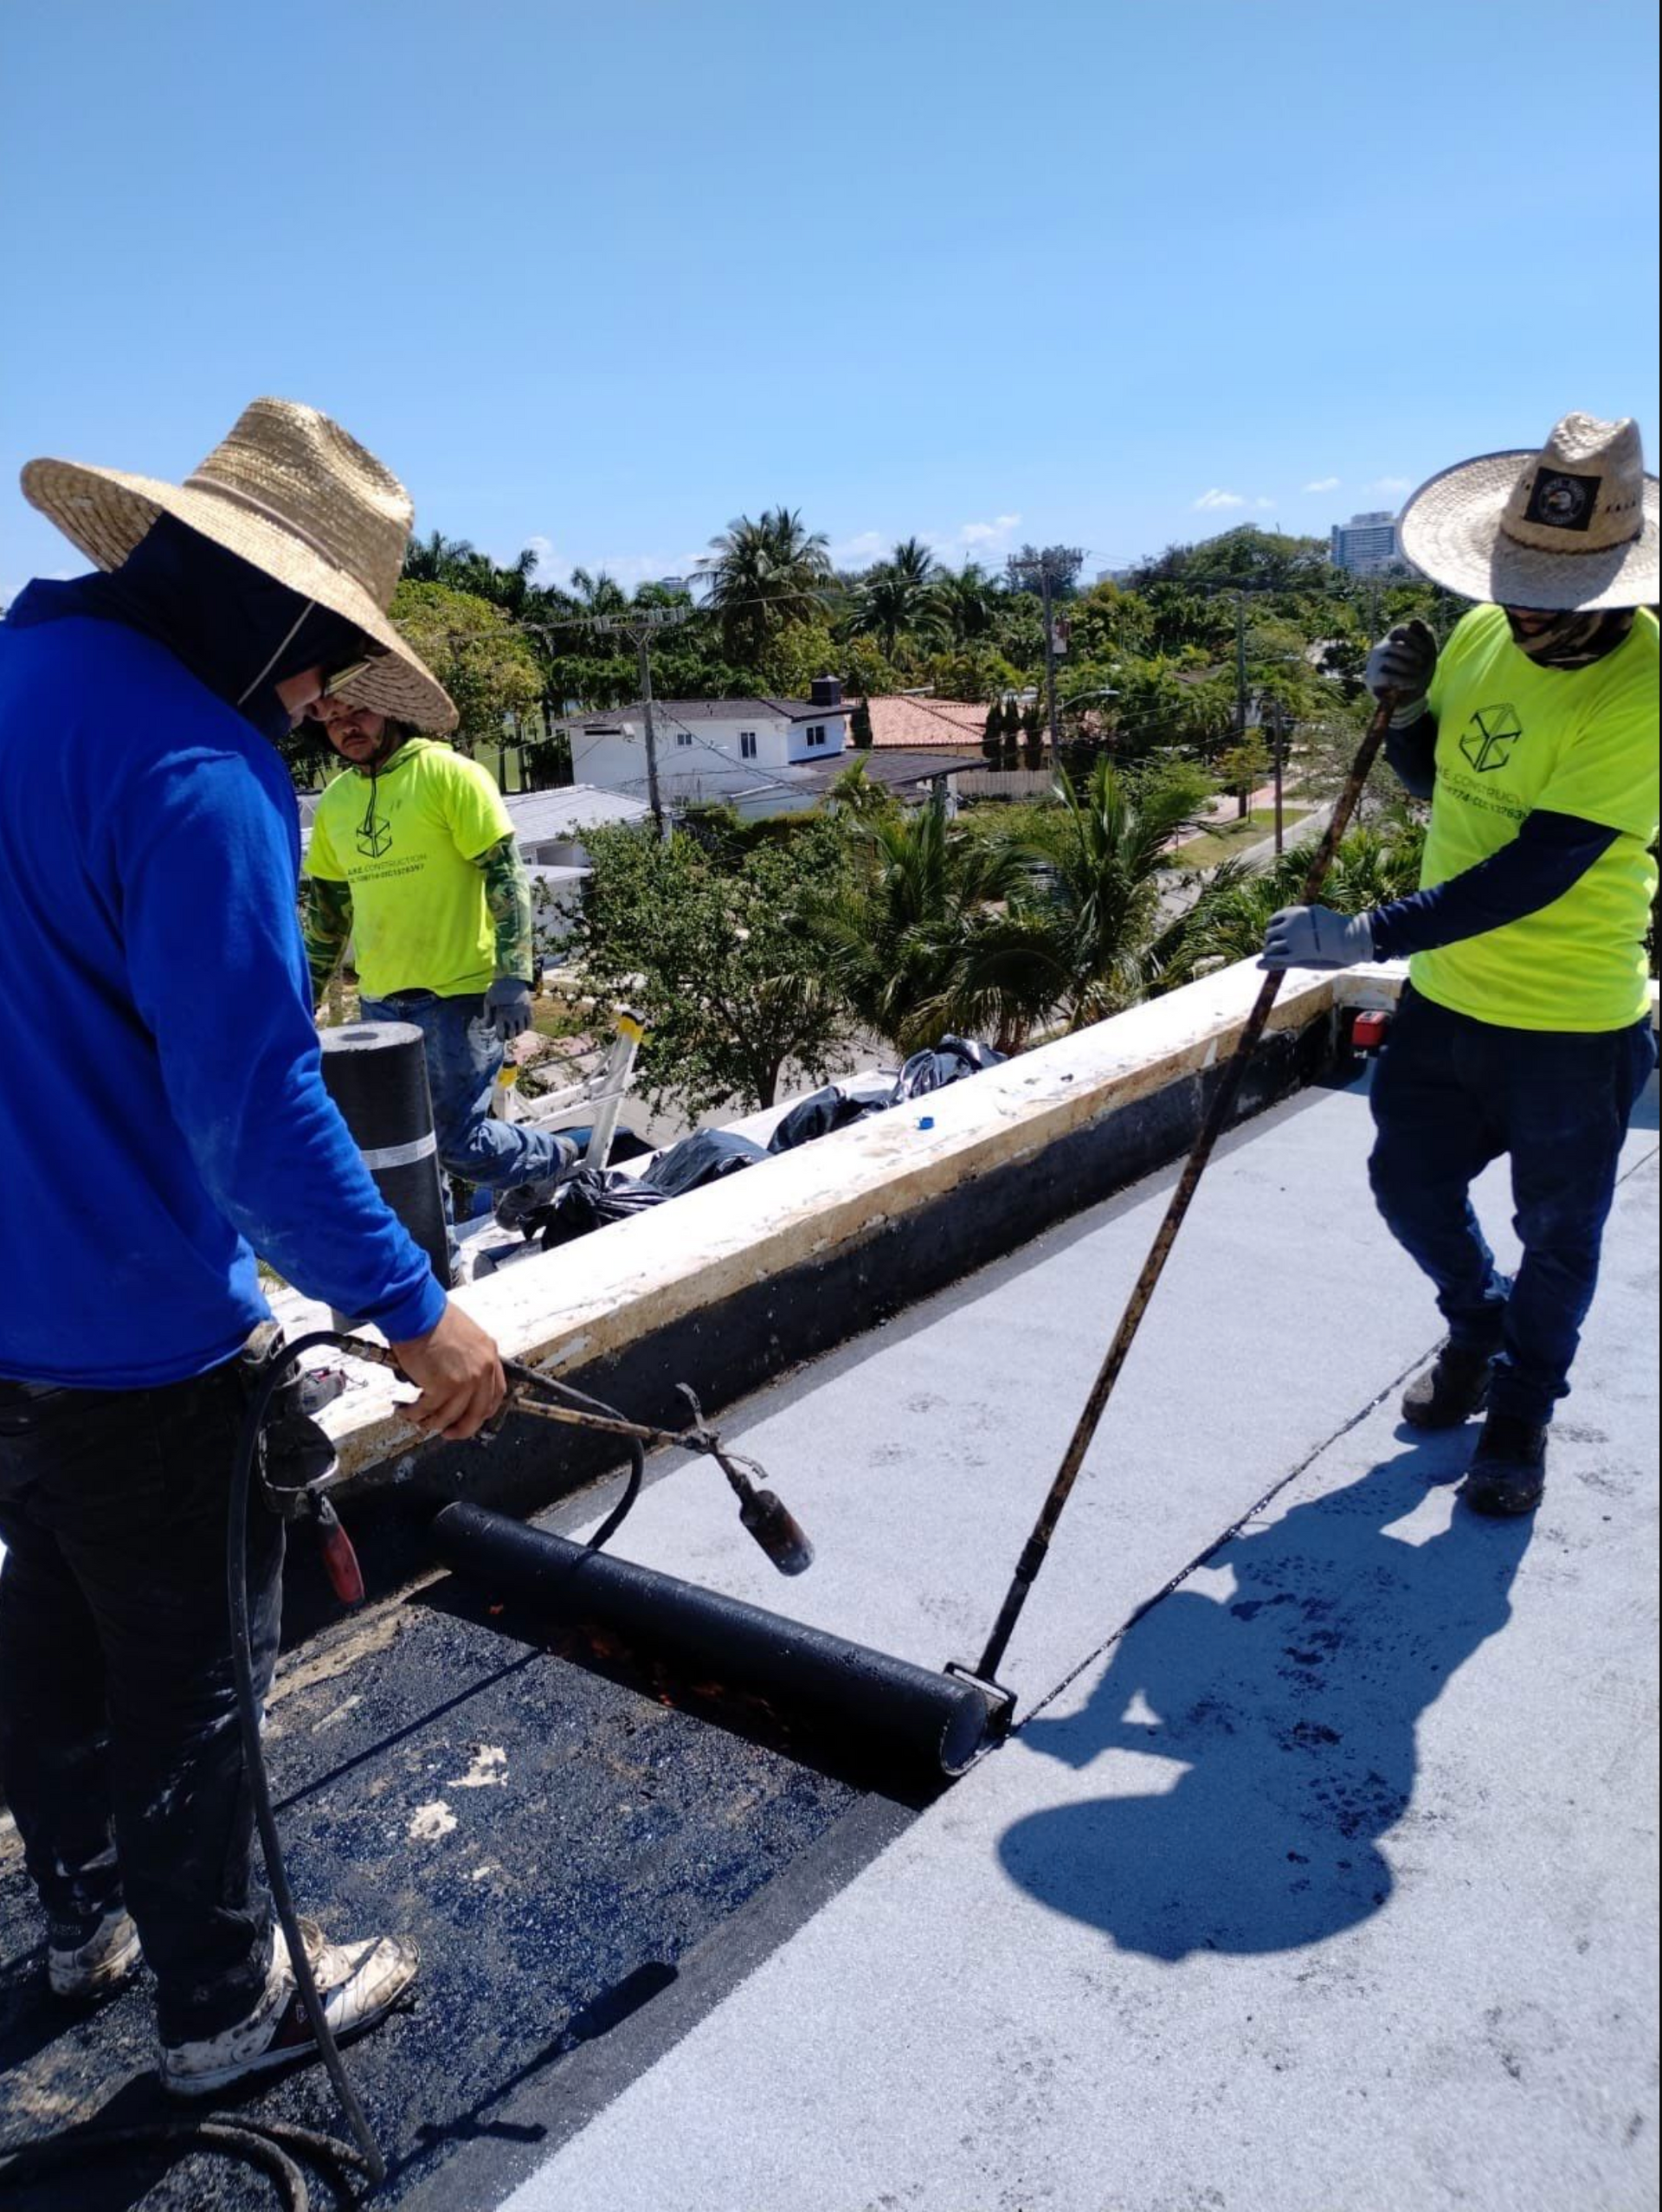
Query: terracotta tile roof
[914, 722]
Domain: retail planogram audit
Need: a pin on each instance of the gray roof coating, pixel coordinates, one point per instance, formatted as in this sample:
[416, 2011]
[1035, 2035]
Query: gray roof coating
[1326, 1882]
[1319, 1876]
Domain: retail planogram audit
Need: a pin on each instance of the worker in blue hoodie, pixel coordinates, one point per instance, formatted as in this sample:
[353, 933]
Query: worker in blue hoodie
[164, 1112]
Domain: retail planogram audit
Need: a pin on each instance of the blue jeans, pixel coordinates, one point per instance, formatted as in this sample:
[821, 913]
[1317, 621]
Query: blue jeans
[464, 1058]
[1451, 1094]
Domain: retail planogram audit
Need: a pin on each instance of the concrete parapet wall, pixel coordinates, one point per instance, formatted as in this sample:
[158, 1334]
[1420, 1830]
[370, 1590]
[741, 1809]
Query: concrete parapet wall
[1009, 1152]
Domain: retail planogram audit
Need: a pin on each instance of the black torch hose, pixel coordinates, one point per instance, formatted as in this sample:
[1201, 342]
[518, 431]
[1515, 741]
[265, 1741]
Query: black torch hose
[269, 2147]
[249, 1715]
[248, 1708]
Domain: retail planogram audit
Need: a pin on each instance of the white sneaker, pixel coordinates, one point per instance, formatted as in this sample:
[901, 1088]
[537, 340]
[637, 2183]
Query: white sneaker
[89, 1967]
[358, 1983]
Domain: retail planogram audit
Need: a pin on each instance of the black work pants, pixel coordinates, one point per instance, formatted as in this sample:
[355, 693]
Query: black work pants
[119, 1736]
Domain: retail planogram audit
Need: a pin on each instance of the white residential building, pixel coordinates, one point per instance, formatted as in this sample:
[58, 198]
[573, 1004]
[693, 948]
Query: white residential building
[730, 750]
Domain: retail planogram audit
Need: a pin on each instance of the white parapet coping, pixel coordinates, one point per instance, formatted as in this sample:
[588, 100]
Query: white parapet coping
[584, 1301]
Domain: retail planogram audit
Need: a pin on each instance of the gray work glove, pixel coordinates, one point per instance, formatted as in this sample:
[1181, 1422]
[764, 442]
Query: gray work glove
[507, 1008]
[1314, 937]
[1403, 663]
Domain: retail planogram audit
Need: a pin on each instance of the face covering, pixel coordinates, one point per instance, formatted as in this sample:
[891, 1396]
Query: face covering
[239, 631]
[1572, 640]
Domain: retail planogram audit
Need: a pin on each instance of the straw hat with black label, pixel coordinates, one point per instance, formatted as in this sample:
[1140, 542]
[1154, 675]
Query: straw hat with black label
[1573, 527]
[289, 491]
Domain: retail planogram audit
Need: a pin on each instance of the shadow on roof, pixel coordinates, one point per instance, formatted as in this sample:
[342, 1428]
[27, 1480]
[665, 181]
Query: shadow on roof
[1291, 1704]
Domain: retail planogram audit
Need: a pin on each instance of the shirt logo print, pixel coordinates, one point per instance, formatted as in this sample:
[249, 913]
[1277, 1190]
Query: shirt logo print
[374, 836]
[1489, 736]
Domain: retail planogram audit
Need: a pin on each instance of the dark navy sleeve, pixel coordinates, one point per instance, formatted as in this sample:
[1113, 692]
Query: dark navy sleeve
[1550, 852]
[1412, 753]
[217, 972]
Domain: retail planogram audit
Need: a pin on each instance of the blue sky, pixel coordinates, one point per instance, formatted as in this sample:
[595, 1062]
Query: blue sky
[602, 277]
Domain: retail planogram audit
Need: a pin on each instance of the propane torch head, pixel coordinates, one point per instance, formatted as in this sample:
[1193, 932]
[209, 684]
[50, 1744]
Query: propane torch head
[778, 1531]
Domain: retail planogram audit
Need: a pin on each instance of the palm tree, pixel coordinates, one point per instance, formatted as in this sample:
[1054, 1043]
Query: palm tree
[512, 587]
[763, 575]
[897, 597]
[601, 594]
[885, 608]
[459, 563]
[912, 559]
[855, 794]
[1097, 862]
[964, 598]
[437, 559]
[910, 939]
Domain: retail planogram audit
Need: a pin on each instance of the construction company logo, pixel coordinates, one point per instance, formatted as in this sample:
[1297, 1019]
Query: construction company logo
[1562, 502]
[374, 836]
[1489, 736]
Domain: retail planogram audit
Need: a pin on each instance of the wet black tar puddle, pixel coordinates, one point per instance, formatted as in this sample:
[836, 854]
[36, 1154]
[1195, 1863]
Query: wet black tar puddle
[589, 1850]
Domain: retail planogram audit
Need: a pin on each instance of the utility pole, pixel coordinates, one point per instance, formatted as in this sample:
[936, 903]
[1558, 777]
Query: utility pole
[1056, 565]
[1277, 718]
[1240, 668]
[638, 625]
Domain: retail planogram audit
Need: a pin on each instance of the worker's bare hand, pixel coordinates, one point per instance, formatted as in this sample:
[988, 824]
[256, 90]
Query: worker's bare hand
[458, 1370]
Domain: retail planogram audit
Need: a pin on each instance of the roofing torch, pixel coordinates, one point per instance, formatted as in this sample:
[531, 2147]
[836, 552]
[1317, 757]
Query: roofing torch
[760, 1511]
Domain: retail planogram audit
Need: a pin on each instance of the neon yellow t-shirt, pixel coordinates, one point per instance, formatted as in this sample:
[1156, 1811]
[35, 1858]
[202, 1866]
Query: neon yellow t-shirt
[406, 843]
[1513, 739]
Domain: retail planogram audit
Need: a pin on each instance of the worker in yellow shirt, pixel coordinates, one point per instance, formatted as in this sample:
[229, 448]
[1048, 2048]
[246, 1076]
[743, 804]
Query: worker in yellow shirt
[412, 858]
[1525, 1029]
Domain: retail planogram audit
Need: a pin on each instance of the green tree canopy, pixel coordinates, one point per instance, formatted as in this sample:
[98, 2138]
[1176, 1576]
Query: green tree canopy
[712, 943]
[903, 932]
[762, 574]
[477, 652]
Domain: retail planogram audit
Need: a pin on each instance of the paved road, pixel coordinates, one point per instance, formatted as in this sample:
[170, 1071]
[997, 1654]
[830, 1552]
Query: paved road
[1180, 892]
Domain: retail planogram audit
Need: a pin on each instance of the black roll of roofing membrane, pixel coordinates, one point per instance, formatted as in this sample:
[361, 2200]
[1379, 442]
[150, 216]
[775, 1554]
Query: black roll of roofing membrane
[933, 1724]
[375, 1073]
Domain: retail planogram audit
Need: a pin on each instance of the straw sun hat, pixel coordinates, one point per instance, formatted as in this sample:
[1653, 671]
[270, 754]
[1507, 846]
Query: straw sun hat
[293, 494]
[1573, 527]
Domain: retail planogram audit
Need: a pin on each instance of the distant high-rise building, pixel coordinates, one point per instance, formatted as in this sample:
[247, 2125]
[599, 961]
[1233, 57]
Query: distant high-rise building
[1368, 544]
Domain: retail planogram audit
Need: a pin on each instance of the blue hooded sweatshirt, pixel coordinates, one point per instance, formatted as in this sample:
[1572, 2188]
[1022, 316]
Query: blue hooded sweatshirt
[162, 1111]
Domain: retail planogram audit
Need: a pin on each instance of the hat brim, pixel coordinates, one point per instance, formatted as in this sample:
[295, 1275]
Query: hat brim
[1450, 530]
[106, 512]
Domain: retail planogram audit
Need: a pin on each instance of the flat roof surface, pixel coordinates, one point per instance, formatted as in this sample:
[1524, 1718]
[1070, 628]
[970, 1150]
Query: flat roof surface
[547, 817]
[1319, 1875]
[1330, 1882]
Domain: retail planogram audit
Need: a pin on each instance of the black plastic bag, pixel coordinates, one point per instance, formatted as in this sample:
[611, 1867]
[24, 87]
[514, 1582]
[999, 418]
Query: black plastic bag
[951, 1060]
[591, 1198]
[818, 1114]
[704, 1157]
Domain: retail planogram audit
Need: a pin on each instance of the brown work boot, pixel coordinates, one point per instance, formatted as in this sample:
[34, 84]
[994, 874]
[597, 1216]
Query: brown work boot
[358, 1983]
[1451, 1391]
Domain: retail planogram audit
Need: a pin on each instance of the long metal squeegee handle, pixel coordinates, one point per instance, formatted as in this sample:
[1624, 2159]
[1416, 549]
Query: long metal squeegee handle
[1216, 1120]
